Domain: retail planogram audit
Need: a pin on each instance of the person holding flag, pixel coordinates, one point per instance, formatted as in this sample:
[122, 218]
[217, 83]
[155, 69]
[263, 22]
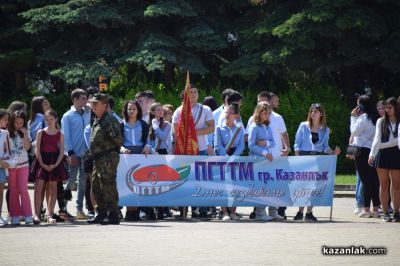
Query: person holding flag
[192, 123]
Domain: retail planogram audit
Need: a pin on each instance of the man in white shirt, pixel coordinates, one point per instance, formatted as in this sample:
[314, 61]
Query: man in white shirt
[145, 100]
[204, 125]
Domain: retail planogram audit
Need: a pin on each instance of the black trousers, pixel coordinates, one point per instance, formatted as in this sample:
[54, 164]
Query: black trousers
[369, 178]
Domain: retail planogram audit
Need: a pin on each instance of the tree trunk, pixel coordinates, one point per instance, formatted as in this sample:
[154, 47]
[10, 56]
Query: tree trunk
[19, 83]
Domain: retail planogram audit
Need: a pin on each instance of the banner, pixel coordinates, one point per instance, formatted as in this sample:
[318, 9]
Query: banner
[177, 180]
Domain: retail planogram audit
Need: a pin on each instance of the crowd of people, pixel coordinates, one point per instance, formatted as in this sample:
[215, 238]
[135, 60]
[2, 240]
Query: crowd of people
[83, 153]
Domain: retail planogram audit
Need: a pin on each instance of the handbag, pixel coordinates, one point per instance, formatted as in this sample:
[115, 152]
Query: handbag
[352, 150]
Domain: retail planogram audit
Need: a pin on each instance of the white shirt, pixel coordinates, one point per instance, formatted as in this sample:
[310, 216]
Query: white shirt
[362, 130]
[18, 152]
[377, 144]
[206, 116]
[278, 127]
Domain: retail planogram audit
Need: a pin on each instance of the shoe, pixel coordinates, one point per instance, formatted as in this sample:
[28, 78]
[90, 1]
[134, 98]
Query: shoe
[15, 220]
[80, 215]
[235, 217]
[390, 210]
[51, 220]
[310, 217]
[28, 220]
[396, 217]
[3, 221]
[98, 219]
[252, 215]
[365, 214]
[357, 210]
[195, 214]
[64, 214]
[226, 217]
[203, 215]
[376, 214]
[36, 220]
[263, 217]
[282, 213]
[113, 218]
[387, 217]
[58, 218]
[91, 214]
[276, 216]
[132, 216]
[299, 216]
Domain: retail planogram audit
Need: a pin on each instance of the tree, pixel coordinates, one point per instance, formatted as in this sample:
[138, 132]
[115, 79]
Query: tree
[82, 39]
[351, 43]
[16, 52]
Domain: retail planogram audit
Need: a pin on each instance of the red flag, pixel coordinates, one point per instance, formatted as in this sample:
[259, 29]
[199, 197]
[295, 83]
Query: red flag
[186, 138]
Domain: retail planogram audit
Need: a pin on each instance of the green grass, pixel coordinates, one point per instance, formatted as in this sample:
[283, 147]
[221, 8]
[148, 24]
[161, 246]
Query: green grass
[345, 180]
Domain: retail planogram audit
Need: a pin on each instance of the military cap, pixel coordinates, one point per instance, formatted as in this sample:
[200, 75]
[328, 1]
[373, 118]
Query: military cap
[100, 97]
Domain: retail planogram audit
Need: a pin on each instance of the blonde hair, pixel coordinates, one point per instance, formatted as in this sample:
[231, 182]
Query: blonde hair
[261, 107]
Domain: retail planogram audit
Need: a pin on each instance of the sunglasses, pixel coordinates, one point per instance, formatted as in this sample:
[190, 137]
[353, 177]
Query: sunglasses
[315, 105]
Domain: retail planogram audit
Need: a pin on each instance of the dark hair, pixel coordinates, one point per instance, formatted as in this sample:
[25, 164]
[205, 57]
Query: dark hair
[140, 94]
[150, 94]
[210, 102]
[234, 97]
[52, 113]
[3, 113]
[125, 110]
[322, 119]
[111, 101]
[381, 102]
[11, 126]
[91, 90]
[386, 121]
[36, 106]
[369, 108]
[77, 93]
[226, 93]
[153, 107]
[265, 94]
[15, 106]
[234, 107]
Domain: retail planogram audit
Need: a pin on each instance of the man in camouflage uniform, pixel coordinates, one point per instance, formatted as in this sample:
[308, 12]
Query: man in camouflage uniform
[105, 142]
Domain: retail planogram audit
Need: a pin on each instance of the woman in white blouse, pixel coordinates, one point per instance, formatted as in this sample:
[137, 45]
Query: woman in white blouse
[385, 156]
[363, 120]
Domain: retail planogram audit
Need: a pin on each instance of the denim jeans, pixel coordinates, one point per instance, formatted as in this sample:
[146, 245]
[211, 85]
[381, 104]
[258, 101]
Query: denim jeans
[359, 192]
[76, 173]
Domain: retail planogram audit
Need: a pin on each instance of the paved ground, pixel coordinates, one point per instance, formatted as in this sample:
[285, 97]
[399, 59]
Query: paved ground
[172, 242]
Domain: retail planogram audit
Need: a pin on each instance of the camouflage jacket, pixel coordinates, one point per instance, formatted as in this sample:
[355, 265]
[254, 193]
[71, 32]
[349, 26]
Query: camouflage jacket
[105, 135]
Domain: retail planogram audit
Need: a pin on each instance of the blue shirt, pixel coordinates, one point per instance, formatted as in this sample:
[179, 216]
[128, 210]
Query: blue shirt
[163, 135]
[223, 134]
[133, 134]
[73, 124]
[35, 125]
[260, 132]
[303, 141]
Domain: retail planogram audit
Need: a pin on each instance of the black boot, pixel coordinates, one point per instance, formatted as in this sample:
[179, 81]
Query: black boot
[113, 218]
[98, 219]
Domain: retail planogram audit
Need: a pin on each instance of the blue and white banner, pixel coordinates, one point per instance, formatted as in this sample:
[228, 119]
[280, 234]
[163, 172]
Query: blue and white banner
[177, 180]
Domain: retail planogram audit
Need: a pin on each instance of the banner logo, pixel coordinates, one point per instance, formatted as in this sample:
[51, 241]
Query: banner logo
[156, 179]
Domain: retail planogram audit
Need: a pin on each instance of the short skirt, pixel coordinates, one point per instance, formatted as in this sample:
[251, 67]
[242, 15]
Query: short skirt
[388, 158]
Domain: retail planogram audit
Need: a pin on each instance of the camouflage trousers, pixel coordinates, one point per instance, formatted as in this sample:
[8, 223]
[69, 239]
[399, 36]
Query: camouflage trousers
[104, 182]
